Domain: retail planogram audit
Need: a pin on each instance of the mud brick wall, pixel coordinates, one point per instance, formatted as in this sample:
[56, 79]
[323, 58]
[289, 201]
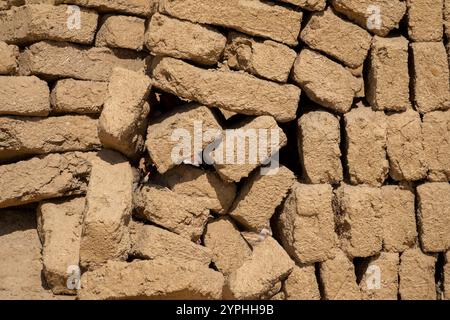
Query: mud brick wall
[351, 202]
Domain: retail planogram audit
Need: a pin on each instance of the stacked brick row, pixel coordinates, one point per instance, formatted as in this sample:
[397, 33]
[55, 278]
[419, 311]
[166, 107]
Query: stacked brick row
[91, 91]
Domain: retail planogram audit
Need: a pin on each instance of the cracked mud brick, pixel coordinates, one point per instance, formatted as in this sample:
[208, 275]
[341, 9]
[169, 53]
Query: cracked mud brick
[133, 7]
[447, 18]
[228, 247]
[121, 32]
[436, 135]
[24, 96]
[151, 243]
[166, 133]
[398, 218]
[391, 13]
[434, 216]
[366, 132]
[405, 149]
[175, 212]
[232, 91]
[343, 40]
[46, 22]
[109, 202]
[306, 224]
[268, 265]
[184, 40]
[55, 60]
[267, 59]
[302, 284]
[59, 228]
[260, 196]
[46, 177]
[248, 16]
[235, 156]
[388, 87]
[153, 279]
[425, 20]
[380, 280]
[319, 138]
[8, 58]
[416, 275]
[21, 264]
[78, 96]
[324, 81]
[204, 186]
[338, 278]
[312, 5]
[22, 136]
[360, 220]
[123, 121]
[430, 77]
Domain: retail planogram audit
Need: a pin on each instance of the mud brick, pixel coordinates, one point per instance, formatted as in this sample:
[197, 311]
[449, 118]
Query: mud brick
[319, 138]
[434, 216]
[437, 145]
[123, 122]
[360, 220]
[9, 55]
[416, 275]
[24, 96]
[46, 177]
[306, 224]
[398, 218]
[184, 40]
[248, 16]
[405, 148]
[260, 196]
[366, 132]
[59, 227]
[380, 280]
[121, 32]
[447, 18]
[160, 144]
[388, 82]
[177, 213]
[55, 60]
[229, 249]
[78, 96]
[312, 5]
[425, 20]
[338, 278]
[325, 82]
[141, 8]
[302, 284]
[268, 265]
[233, 91]
[36, 22]
[343, 40]
[109, 202]
[154, 279]
[205, 186]
[266, 59]
[32, 136]
[431, 77]
[151, 243]
[239, 140]
[391, 13]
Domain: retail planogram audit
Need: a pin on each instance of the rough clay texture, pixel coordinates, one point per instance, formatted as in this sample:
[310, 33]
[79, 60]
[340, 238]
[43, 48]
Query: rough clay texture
[109, 202]
[306, 223]
[358, 11]
[123, 120]
[227, 149]
[231, 91]
[417, 275]
[319, 138]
